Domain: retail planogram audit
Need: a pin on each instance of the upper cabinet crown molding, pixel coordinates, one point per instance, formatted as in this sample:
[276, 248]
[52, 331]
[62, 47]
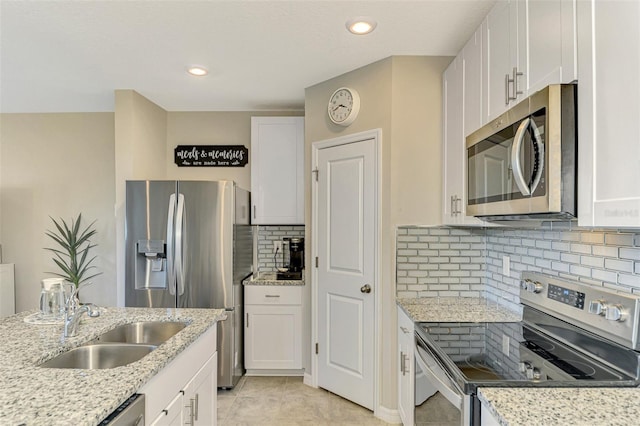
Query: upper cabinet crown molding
[277, 170]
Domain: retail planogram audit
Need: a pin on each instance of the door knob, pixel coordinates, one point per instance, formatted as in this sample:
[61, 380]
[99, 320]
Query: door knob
[365, 288]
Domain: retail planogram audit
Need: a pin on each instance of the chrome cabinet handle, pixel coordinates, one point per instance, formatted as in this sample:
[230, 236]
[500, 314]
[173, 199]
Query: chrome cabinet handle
[507, 80]
[271, 295]
[458, 206]
[365, 289]
[516, 74]
[404, 330]
[196, 407]
[402, 358]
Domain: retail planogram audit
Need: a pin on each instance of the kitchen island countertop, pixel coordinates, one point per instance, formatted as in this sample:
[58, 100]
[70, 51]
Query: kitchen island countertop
[32, 395]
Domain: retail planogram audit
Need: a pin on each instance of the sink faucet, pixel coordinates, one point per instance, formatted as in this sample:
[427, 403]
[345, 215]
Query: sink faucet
[73, 312]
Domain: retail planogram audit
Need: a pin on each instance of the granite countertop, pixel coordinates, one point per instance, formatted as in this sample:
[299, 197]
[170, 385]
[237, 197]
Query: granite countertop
[456, 309]
[563, 406]
[32, 395]
[269, 278]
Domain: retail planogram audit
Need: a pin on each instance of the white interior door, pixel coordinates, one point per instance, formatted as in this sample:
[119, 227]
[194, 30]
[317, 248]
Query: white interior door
[346, 209]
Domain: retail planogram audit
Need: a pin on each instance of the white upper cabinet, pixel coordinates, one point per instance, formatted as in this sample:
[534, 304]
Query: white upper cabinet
[472, 82]
[461, 105]
[609, 113]
[528, 44]
[552, 45]
[500, 58]
[277, 170]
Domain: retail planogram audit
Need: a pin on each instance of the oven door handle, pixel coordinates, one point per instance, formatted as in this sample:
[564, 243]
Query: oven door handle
[515, 157]
[448, 390]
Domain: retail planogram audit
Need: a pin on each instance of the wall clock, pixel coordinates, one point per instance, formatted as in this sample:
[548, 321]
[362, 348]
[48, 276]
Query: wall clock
[344, 105]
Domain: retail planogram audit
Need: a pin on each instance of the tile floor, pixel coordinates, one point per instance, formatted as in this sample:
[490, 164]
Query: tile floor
[286, 401]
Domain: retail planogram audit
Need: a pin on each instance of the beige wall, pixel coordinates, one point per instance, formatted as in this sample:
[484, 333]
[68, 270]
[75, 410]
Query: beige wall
[402, 97]
[56, 165]
[140, 141]
[416, 151]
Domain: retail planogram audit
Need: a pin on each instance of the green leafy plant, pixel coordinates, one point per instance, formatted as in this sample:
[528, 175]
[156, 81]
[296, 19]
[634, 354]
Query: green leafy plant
[72, 257]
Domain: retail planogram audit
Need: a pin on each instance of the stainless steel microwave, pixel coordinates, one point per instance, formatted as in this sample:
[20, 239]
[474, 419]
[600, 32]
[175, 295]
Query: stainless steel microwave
[523, 164]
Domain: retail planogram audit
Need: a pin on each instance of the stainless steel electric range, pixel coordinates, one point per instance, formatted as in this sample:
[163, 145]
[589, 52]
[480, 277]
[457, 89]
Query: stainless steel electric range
[571, 335]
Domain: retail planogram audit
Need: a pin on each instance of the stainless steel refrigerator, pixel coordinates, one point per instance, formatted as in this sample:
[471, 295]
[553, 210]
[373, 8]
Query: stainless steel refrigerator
[189, 244]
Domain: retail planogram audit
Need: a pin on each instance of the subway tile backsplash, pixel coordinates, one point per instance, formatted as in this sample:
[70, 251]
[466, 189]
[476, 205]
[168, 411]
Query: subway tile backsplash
[609, 258]
[267, 234]
[434, 262]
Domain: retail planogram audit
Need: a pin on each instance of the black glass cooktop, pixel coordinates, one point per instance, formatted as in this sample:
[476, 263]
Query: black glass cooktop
[510, 353]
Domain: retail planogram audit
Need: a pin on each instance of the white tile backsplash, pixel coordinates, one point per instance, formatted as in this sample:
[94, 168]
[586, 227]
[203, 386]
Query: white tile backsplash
[267, 234]
[468, 262]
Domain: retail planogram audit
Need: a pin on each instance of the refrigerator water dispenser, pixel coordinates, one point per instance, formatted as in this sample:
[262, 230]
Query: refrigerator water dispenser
[151, 265]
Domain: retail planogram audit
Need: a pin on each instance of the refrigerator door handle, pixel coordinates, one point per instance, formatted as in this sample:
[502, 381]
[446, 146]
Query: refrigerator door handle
[180, 249]
[171, 274]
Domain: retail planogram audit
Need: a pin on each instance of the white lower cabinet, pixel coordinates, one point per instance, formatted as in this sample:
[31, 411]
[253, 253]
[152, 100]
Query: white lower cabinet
[185, 391]
[406, 367]
[273, 328]
[172, 414]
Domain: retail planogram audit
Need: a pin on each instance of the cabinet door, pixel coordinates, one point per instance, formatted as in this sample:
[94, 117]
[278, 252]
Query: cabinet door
[452, 141]
[406, 366]
[472, 83]
[608, 112]
[273, 337]
[277, 164]
[200, 395]
[171, 415]
[497, 59]
[551, 48]
[454, 161]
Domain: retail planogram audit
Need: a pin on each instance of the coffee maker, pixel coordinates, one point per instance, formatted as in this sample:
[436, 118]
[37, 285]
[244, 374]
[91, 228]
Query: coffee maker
[296, 259]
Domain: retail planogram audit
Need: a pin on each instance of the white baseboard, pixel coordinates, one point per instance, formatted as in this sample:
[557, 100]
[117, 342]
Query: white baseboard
[388, 415]
[308, 380]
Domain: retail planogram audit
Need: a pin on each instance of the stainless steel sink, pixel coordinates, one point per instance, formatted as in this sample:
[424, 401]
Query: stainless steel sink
[147, 332]
[99, 356]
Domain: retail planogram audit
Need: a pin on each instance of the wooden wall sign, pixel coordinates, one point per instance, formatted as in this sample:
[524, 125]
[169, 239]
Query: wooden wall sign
[211, 155]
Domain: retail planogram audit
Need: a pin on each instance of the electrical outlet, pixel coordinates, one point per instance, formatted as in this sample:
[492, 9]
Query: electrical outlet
[277, 246]
[505, 344]
[506, 265]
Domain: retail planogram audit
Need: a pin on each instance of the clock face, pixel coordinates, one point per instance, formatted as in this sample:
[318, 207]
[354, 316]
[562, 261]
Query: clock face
[343, 106]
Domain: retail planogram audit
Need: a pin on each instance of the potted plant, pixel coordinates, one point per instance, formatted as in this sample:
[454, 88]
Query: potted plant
[72, 255]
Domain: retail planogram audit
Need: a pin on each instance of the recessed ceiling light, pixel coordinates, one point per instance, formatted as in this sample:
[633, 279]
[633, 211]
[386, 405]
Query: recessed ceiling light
[198, 71]
[361, 25]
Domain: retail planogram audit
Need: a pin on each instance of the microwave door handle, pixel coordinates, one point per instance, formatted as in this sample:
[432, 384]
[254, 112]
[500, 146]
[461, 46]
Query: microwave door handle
[537, 141]
[515, 157]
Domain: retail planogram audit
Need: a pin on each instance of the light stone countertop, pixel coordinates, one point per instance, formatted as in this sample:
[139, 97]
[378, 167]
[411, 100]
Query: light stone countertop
[456, 309]
[32, 395]
[563, 406]
[269, 278]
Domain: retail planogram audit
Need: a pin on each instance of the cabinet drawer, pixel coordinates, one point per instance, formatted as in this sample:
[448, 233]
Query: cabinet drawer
[272, 295]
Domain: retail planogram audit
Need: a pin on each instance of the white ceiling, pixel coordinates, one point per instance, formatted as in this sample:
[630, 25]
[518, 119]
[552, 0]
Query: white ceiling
[70, 55]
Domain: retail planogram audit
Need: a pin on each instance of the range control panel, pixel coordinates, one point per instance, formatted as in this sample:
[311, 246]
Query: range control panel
[615, 315]
[567, 296]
